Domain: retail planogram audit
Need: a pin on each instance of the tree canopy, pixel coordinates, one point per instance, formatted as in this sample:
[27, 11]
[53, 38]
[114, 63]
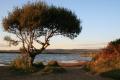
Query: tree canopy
[115, 42]
[35, 20]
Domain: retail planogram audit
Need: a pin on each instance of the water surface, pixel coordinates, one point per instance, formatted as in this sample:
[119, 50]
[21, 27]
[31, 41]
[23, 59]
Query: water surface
[6, 58]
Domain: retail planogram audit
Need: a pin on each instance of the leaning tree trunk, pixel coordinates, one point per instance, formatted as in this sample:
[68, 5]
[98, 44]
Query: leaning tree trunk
[32, 56]
[31, 60]
[34, 53]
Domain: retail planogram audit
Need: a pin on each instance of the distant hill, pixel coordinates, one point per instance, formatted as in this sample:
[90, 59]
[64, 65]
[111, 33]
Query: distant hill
[9, 51]
[70, 50]
[53, 51]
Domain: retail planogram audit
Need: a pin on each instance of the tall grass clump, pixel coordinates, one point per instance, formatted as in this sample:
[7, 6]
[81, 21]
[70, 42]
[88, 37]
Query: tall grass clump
[21, 64]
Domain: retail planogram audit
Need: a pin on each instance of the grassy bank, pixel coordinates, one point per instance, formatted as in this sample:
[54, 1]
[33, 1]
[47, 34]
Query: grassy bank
[107, 61]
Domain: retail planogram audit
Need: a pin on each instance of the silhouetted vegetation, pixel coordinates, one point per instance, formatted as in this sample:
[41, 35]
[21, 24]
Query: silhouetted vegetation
[35, 20]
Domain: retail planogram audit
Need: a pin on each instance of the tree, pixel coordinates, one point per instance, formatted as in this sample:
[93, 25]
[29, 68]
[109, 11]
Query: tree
[11, 41]
[35, 20]
[114, 46]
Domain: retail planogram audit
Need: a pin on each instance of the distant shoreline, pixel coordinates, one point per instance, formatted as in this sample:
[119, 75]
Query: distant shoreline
[2, 52]
[56, 51]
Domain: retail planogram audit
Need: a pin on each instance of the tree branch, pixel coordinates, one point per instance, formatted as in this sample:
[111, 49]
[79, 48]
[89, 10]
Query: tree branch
[38, 41]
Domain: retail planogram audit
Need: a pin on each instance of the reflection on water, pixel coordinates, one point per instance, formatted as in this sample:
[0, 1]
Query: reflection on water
[8, 57]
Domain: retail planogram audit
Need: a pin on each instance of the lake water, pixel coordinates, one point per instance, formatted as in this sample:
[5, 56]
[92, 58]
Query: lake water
[6, 58]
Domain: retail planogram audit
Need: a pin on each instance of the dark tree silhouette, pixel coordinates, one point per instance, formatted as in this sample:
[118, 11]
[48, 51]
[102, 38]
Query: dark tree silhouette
[114, 46]
[35, 20]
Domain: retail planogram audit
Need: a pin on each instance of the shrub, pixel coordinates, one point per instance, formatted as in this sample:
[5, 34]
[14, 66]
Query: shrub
[53, 63]
[102, 64]
[53, 67]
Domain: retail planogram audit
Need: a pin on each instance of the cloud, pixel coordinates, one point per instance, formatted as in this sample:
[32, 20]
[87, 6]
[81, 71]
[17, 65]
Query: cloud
[93, 44]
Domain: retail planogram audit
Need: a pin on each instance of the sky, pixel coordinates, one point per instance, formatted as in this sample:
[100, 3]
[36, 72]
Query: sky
[100, 22]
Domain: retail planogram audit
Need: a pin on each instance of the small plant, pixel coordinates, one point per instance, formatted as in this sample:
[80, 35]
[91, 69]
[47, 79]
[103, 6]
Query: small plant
[53, 63]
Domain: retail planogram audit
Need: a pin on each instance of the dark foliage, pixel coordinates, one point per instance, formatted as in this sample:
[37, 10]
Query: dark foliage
[115, 42]
[115, 74]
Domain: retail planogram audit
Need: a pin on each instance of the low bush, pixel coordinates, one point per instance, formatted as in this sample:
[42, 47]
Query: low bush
[53, 67]
[102, 64]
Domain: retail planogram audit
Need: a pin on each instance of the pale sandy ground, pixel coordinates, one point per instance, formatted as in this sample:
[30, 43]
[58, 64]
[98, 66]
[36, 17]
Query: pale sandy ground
[73, 72]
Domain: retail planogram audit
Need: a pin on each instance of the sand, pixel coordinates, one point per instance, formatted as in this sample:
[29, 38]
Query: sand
[73, 72]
